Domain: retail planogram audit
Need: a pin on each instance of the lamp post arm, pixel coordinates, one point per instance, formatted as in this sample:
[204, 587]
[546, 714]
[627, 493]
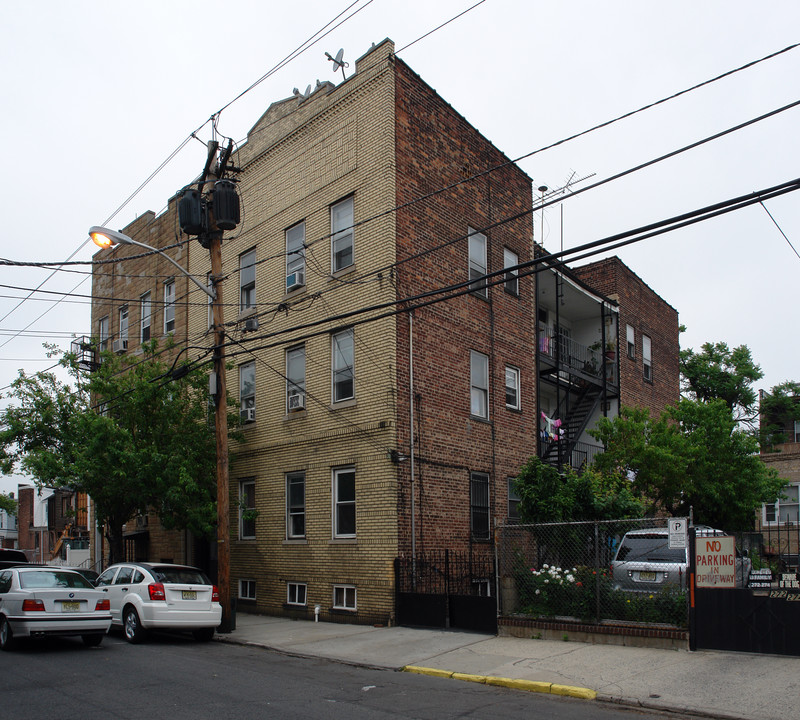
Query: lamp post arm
[208, 291]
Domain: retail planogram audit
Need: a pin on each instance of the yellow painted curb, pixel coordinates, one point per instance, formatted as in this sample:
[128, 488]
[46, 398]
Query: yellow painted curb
[468, 677]
[516, 684]
[576, 692]
[434, 672]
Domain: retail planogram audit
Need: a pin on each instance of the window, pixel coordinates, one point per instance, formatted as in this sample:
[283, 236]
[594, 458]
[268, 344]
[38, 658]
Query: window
[344, 597]
[295, 505]
[145, 309]
[103, 332]
[513, 500]
[169, 306]
[797, 431]
[647, 361]
[296, 378]
[247, 508]
[342, 234]
[344, 503]
[785, 509]
[343, 361]
[247, 391]
[479, 381]
[247, 589]
[631, 335]
[123, 328]
[479, 505]
[296, 593]
[295, 256]
[247, 280]
[477, 262]
[512, 388]
[510, 259]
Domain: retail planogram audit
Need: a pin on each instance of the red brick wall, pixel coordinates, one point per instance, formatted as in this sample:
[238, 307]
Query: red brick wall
[25, 518]
[649, 315]
[436, 147]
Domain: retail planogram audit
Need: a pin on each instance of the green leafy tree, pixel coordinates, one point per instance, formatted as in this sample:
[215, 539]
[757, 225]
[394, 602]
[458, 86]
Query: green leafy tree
[8, 504]
[780, 409]
[694, 456]
[718, 372]
[133, 435]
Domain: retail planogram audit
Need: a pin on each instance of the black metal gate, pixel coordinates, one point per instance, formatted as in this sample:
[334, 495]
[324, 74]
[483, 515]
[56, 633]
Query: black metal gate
[447, 590]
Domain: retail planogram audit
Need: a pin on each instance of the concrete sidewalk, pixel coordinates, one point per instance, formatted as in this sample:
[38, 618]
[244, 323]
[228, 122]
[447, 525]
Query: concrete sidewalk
[716, 684]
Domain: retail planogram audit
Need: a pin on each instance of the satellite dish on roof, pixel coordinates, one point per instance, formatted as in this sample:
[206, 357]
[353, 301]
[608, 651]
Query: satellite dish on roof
[338, 62]
[302, 96]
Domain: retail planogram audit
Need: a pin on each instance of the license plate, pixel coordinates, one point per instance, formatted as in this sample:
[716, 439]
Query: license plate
[189, 594]
[70, 606]
[647, 576]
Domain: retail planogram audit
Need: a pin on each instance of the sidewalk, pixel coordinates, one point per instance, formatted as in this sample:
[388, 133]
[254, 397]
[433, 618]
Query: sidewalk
[716, 684]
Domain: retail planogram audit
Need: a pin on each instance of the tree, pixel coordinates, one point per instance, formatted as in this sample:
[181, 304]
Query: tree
[547, 496]
[134, 436]
[8, 504]
[780, 409]
[717, 372]
[693, 457]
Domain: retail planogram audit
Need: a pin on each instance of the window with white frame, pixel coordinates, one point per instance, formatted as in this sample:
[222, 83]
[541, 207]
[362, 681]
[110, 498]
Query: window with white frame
[797, 431]
[296, 378]
[247, 391]
[295, 505]
[512, 388]
[102, 345]
[247, 508]
[343, 360]
[145, 312]
[479, 505]
[342, 234]
[169, 306]
[295, 256]
[510, 260]
[785, 509]
[296, 593]
[630, 334]
[344, 597]
[344, 503]
[123, 328]
[513, 500]
[479, 384]
[647, 359]
[247, 589]
[477, 262]
[247, 280]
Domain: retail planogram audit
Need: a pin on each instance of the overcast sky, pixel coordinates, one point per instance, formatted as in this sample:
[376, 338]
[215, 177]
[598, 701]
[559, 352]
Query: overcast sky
[96, 95]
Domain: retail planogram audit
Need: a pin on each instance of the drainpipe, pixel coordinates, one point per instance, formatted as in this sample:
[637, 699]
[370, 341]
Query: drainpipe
[412, 456]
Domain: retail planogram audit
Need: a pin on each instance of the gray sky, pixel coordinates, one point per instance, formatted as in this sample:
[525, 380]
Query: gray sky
[97, 94]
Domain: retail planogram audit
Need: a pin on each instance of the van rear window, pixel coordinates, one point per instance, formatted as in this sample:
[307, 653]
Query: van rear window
[649, 548]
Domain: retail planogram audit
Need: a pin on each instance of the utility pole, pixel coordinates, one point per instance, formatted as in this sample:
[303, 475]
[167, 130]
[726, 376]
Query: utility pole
[208, 214]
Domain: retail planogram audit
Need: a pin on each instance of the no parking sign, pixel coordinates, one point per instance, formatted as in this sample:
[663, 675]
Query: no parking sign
[715, 562]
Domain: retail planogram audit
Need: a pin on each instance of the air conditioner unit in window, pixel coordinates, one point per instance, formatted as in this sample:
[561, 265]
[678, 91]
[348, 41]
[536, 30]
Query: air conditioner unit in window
[295, 280]
[119, 346]
[248, 415]
[297, 401]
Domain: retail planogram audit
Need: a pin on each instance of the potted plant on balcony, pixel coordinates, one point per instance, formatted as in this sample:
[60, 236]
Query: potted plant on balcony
[611, 350]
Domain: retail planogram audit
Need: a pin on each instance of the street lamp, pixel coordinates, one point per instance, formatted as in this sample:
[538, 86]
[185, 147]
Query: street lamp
[105, 238]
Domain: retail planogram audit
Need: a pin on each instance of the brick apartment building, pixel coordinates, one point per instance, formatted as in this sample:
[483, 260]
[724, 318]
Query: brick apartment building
[360, 204]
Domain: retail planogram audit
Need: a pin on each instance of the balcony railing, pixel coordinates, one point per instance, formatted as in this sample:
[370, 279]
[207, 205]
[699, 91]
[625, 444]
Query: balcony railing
[582, 454]
[573, 356]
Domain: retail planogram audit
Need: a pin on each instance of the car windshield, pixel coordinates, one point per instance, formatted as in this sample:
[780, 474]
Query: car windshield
[650, 548]
[52, 579]
[180, 575]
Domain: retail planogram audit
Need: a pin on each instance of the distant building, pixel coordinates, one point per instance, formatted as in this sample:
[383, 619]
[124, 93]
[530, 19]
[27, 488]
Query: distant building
[8, 528]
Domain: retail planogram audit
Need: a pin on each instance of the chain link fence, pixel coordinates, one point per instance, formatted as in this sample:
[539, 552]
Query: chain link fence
[593, 572]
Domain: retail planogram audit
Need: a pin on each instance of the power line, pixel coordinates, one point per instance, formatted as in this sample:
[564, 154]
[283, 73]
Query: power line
[780, 230]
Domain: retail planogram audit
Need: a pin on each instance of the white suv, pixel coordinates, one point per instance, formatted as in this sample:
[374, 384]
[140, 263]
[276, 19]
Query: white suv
[145, 596]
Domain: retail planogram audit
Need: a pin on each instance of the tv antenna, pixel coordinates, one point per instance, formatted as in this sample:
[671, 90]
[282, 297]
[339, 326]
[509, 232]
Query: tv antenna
[337, 61]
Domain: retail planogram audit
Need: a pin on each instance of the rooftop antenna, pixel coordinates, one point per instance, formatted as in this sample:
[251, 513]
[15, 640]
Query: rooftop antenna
[302, 96]
[543, 190]
[338, 63]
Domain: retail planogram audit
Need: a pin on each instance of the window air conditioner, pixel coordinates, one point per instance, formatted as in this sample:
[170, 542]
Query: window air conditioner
[119, 346]
[297, 401]
[295, 280]
[248, 415]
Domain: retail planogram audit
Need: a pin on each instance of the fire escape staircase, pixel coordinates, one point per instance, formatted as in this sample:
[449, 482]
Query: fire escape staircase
[558, 452]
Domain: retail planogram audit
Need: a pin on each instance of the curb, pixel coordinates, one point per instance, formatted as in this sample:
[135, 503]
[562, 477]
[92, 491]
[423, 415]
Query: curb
[528, 685]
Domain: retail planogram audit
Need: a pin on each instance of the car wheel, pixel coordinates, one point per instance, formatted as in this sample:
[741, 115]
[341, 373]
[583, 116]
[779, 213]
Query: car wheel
[203, 634]
[92, 640]
[7, 641]
[134, 632]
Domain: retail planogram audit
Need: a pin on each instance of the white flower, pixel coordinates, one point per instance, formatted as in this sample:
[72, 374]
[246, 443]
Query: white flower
[537, 591]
